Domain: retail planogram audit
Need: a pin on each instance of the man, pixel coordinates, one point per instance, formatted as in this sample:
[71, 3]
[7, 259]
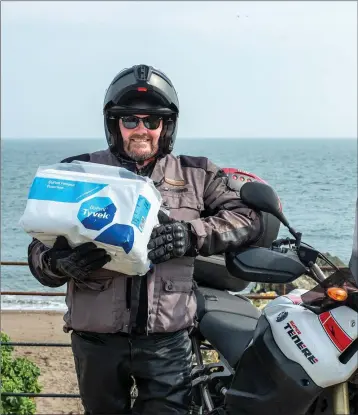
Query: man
[139, 326]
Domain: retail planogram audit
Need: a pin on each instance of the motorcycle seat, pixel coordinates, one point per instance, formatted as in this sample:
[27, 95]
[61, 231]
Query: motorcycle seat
[227, 321]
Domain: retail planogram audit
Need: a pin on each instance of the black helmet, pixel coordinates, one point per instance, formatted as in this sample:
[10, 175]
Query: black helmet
[141, 89]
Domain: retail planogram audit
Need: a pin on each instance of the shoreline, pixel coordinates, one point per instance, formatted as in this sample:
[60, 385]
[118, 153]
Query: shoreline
[34, 311]
[42, 325]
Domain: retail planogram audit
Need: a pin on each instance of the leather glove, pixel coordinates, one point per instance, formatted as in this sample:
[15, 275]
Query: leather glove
[75, 263]
[171, 239]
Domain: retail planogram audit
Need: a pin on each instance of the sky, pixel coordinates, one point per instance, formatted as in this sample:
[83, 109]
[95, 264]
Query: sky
[241, 69]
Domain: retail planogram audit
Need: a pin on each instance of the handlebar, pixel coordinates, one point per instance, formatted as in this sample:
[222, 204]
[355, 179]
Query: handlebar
[306, 253]
[283, 241]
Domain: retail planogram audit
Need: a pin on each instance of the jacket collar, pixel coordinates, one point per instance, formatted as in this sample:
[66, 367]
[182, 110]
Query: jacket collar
[162, 167]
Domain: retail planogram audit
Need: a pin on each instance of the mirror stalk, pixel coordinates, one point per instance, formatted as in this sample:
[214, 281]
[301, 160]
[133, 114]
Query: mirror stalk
[296, 235]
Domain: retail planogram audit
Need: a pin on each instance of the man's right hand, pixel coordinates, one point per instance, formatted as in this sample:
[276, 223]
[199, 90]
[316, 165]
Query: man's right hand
[75, 263]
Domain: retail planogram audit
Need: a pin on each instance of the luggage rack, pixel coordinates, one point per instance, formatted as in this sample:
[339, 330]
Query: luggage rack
[62, 294]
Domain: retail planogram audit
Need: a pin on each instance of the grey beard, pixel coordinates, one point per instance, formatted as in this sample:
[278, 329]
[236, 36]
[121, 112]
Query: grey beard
[142, 157]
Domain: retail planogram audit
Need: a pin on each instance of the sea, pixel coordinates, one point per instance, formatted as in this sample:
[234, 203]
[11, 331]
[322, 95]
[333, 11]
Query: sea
[316, 180]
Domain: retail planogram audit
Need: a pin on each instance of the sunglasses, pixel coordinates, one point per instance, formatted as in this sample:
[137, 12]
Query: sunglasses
[152, 122]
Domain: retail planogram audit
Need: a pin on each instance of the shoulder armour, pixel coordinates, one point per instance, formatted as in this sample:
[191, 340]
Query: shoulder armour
[194, 162]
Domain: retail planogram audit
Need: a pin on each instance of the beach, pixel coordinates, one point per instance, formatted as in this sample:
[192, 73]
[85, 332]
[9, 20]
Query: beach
[56, 363]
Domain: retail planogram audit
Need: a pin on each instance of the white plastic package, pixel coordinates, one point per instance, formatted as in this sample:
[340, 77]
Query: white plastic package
[110, 206]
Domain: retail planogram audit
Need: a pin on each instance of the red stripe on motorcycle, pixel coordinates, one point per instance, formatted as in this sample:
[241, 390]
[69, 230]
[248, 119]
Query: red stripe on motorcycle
[334, 331]
[294, 298]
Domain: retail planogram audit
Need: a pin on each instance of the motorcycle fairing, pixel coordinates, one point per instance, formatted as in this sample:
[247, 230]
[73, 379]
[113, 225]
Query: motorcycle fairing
[303, 338]
[267, 382]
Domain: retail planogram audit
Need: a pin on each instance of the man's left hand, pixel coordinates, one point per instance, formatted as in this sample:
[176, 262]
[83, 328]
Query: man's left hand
[171, 239]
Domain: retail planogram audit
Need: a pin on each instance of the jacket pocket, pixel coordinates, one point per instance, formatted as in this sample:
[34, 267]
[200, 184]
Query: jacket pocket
[176, 305]
[100, 308]
[184, 205]
[94, 285]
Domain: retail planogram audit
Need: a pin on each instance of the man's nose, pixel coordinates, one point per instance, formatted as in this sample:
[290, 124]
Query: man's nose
[141, 127]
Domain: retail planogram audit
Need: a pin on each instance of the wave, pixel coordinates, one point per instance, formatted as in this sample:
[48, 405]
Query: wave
[33, 303]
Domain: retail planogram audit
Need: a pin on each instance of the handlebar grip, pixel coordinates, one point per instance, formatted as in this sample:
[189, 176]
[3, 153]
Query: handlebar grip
[283, 241]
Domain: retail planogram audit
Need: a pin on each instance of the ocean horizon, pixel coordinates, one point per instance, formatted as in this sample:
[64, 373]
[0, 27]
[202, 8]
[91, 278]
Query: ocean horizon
[316, 180]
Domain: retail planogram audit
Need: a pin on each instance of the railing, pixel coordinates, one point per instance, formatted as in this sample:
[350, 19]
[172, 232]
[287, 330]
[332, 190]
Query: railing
[58, 294]
[29, 344]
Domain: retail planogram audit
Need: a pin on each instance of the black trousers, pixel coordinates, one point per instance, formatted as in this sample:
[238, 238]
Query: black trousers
[159, 363]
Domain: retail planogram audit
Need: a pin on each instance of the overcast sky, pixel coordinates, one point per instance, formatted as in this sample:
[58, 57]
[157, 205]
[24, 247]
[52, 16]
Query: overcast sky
[241, 69]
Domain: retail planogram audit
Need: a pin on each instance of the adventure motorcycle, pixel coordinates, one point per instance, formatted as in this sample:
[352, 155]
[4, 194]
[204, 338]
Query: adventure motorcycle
[299, 355]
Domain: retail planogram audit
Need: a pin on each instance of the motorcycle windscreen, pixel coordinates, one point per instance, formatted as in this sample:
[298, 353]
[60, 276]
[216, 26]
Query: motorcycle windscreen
[342, 278]
[353, 263]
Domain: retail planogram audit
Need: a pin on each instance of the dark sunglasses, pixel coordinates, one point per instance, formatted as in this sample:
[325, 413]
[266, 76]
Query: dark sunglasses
[151, 122]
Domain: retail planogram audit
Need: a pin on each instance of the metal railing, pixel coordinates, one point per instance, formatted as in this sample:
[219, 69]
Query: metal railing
[31, 344]
[58, 294]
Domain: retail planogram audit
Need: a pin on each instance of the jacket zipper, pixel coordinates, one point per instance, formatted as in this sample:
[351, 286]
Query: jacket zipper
[128, 293]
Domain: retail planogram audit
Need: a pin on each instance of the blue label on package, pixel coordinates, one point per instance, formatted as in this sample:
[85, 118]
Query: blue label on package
[141, 212]
[118, 235]
[60, 190]
[96, 213]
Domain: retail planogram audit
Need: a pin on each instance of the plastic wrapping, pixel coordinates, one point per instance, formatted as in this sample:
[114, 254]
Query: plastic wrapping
[111, 206]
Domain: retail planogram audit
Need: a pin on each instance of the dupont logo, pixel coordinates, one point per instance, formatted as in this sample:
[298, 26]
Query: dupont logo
[96, 213]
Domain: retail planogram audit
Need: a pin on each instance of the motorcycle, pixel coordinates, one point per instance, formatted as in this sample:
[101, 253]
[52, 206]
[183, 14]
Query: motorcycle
[299, 355]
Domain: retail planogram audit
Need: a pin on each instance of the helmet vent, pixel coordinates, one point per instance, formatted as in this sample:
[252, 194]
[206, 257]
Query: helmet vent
[141, 72]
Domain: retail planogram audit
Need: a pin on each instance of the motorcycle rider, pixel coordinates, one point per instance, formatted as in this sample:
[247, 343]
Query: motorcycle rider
[139, 326]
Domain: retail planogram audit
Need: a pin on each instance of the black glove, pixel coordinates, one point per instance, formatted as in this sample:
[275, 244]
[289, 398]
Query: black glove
[75, 263]
[171, 239]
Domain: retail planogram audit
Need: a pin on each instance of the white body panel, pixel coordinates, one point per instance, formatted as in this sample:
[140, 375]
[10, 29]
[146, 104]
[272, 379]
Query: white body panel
[315, 342]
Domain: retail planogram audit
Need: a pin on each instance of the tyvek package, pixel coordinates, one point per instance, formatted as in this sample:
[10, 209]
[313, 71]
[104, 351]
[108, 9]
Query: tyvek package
[110, 206]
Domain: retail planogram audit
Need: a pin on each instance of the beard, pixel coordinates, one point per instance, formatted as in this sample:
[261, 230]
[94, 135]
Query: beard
[140, 151]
